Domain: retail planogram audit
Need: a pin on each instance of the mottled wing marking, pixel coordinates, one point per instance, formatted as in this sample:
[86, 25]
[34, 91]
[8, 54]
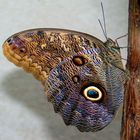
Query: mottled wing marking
[45, 49]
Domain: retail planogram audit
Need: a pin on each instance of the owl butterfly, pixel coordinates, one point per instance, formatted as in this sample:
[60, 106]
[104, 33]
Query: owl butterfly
[83, 76]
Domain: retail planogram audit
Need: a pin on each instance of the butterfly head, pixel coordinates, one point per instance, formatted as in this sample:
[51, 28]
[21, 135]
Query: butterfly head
[110, 43]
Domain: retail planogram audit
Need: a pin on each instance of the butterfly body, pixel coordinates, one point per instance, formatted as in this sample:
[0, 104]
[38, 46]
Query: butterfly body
[83, 77]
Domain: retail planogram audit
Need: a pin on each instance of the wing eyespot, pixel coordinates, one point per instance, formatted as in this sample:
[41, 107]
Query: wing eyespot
[79, 60]
[93, 93]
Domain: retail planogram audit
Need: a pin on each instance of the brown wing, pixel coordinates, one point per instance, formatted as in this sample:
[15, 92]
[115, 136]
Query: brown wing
[40, 50]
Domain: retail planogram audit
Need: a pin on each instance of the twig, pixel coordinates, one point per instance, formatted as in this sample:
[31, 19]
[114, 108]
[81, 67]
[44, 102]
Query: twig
[131, 109]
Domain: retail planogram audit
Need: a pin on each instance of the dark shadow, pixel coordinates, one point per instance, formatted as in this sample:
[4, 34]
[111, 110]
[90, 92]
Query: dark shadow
[23, 88]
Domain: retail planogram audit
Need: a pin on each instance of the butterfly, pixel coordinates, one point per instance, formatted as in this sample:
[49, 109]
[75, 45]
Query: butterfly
[83, 77]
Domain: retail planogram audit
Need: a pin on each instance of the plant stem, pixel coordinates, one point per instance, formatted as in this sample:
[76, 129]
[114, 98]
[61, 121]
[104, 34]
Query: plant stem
[131, 108]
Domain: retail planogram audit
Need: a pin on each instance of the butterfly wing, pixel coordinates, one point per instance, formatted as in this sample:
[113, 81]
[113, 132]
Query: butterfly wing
[66, 86]
[40, 50]
[83, 77]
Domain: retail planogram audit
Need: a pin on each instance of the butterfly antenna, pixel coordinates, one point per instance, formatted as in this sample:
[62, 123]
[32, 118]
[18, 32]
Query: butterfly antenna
[103, 28]
[103, 13]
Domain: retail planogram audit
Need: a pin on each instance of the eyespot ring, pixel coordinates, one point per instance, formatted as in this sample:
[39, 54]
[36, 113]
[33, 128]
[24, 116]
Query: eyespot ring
[93, 91]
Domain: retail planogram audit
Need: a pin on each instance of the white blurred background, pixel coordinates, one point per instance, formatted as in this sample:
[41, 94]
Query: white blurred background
[25, 113]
